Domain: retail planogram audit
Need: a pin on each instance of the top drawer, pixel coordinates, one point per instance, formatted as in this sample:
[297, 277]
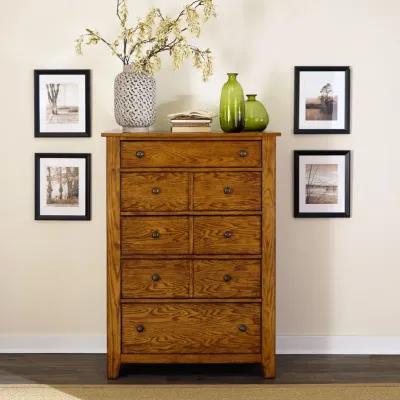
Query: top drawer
[190, 154]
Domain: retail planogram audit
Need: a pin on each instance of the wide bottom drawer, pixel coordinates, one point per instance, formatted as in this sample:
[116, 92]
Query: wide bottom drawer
[191, 328]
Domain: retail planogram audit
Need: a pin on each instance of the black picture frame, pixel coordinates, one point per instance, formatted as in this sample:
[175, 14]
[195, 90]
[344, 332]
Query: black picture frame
[297, 71]
[87, 131]
[88, 196]
[347, 162]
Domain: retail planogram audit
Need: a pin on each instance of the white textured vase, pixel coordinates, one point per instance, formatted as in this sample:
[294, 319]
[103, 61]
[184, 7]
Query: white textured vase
[134, 100]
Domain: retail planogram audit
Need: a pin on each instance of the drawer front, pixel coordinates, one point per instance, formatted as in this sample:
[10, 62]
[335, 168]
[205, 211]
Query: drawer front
[190, 154]
[227, 278]
[227, 191]
[154, 235]
[227, 235]
[155, 278]
[154, 191]
[191, 328]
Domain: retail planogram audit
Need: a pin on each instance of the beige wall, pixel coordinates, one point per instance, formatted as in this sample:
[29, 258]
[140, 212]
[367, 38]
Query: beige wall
[335, 277]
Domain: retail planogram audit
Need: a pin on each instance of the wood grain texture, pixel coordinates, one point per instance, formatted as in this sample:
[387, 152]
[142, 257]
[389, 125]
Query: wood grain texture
[154, 191]
[191, 191]
[191, 256]
[191, 328]
[226, 191]
[209, 235]
[136, 235]
[227, 278]
[155, 278]
[153, 213]
[169, 136]
[89, 369]
[113, 259]
[191, 169]
[191, 287]
[191, 358]
[188, 153]
[202, 300]
[268, 261]
[191, 234]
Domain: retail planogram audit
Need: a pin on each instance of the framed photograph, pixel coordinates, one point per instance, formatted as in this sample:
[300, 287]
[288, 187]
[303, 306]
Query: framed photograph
[62, 186]
[322, 184]
[62, 103]
[322, 100]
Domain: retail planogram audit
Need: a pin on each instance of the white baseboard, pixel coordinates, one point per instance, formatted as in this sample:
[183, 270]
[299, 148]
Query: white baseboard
[53, 344]
[338, 345]
[285, 344]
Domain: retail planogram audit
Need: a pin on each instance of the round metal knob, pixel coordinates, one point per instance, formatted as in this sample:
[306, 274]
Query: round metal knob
[140, 328]
[228, 234]
[155, 234]
[227, 278]
[243, 153]
[155, 277]
[156, 190]
[140, 154]
[228, 190]
[242, 328]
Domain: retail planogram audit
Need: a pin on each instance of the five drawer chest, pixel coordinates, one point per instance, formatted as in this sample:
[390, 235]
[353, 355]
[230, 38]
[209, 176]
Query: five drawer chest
[191, 248]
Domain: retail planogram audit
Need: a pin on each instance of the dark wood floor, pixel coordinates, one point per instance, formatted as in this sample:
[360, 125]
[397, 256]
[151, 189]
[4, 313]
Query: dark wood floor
[90, 369]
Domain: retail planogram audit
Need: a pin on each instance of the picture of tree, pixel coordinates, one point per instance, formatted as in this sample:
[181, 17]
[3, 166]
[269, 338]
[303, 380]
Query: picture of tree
[321, 184]
[323, 107]
[63, 186]
[63, 105]
[52, 95]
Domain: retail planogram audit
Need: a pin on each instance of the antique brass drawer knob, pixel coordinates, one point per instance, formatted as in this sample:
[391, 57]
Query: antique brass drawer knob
[242, 328]
[140, 154]
[228, 234]
[156, 190]
[140, 328]
[155, 277]
[155, 234]
[243, 153]
[228, 190]
[227, 278]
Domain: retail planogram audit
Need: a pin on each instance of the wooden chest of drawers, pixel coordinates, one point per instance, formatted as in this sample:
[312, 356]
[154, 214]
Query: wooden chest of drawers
[191, 249]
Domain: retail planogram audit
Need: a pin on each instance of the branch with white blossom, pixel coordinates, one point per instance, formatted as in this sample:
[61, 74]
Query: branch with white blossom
[141, 46]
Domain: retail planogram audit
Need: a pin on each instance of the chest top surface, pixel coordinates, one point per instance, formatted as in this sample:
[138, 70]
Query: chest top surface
[166, 135]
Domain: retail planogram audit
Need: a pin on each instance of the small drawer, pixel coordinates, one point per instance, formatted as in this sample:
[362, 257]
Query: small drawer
[227, 278]
[180, 328]
[154, 235]
[227, 235]
[228, 191]
[155, 278]
[187, 153]
[154, 191]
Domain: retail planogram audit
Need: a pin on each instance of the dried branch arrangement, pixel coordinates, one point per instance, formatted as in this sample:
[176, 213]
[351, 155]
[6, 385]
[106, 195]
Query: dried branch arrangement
[142, 45]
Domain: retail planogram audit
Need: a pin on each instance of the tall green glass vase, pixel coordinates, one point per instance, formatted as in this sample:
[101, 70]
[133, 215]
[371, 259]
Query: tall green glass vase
[231, 111]
[257, 117]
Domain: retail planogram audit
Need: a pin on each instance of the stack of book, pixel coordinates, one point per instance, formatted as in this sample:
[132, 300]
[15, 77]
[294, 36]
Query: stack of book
[191, 121]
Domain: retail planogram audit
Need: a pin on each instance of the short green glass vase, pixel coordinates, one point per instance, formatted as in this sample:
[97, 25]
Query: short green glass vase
[231, 111]
[256, 115]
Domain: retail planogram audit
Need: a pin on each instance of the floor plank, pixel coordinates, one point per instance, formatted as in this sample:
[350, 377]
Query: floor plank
[91, 369]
